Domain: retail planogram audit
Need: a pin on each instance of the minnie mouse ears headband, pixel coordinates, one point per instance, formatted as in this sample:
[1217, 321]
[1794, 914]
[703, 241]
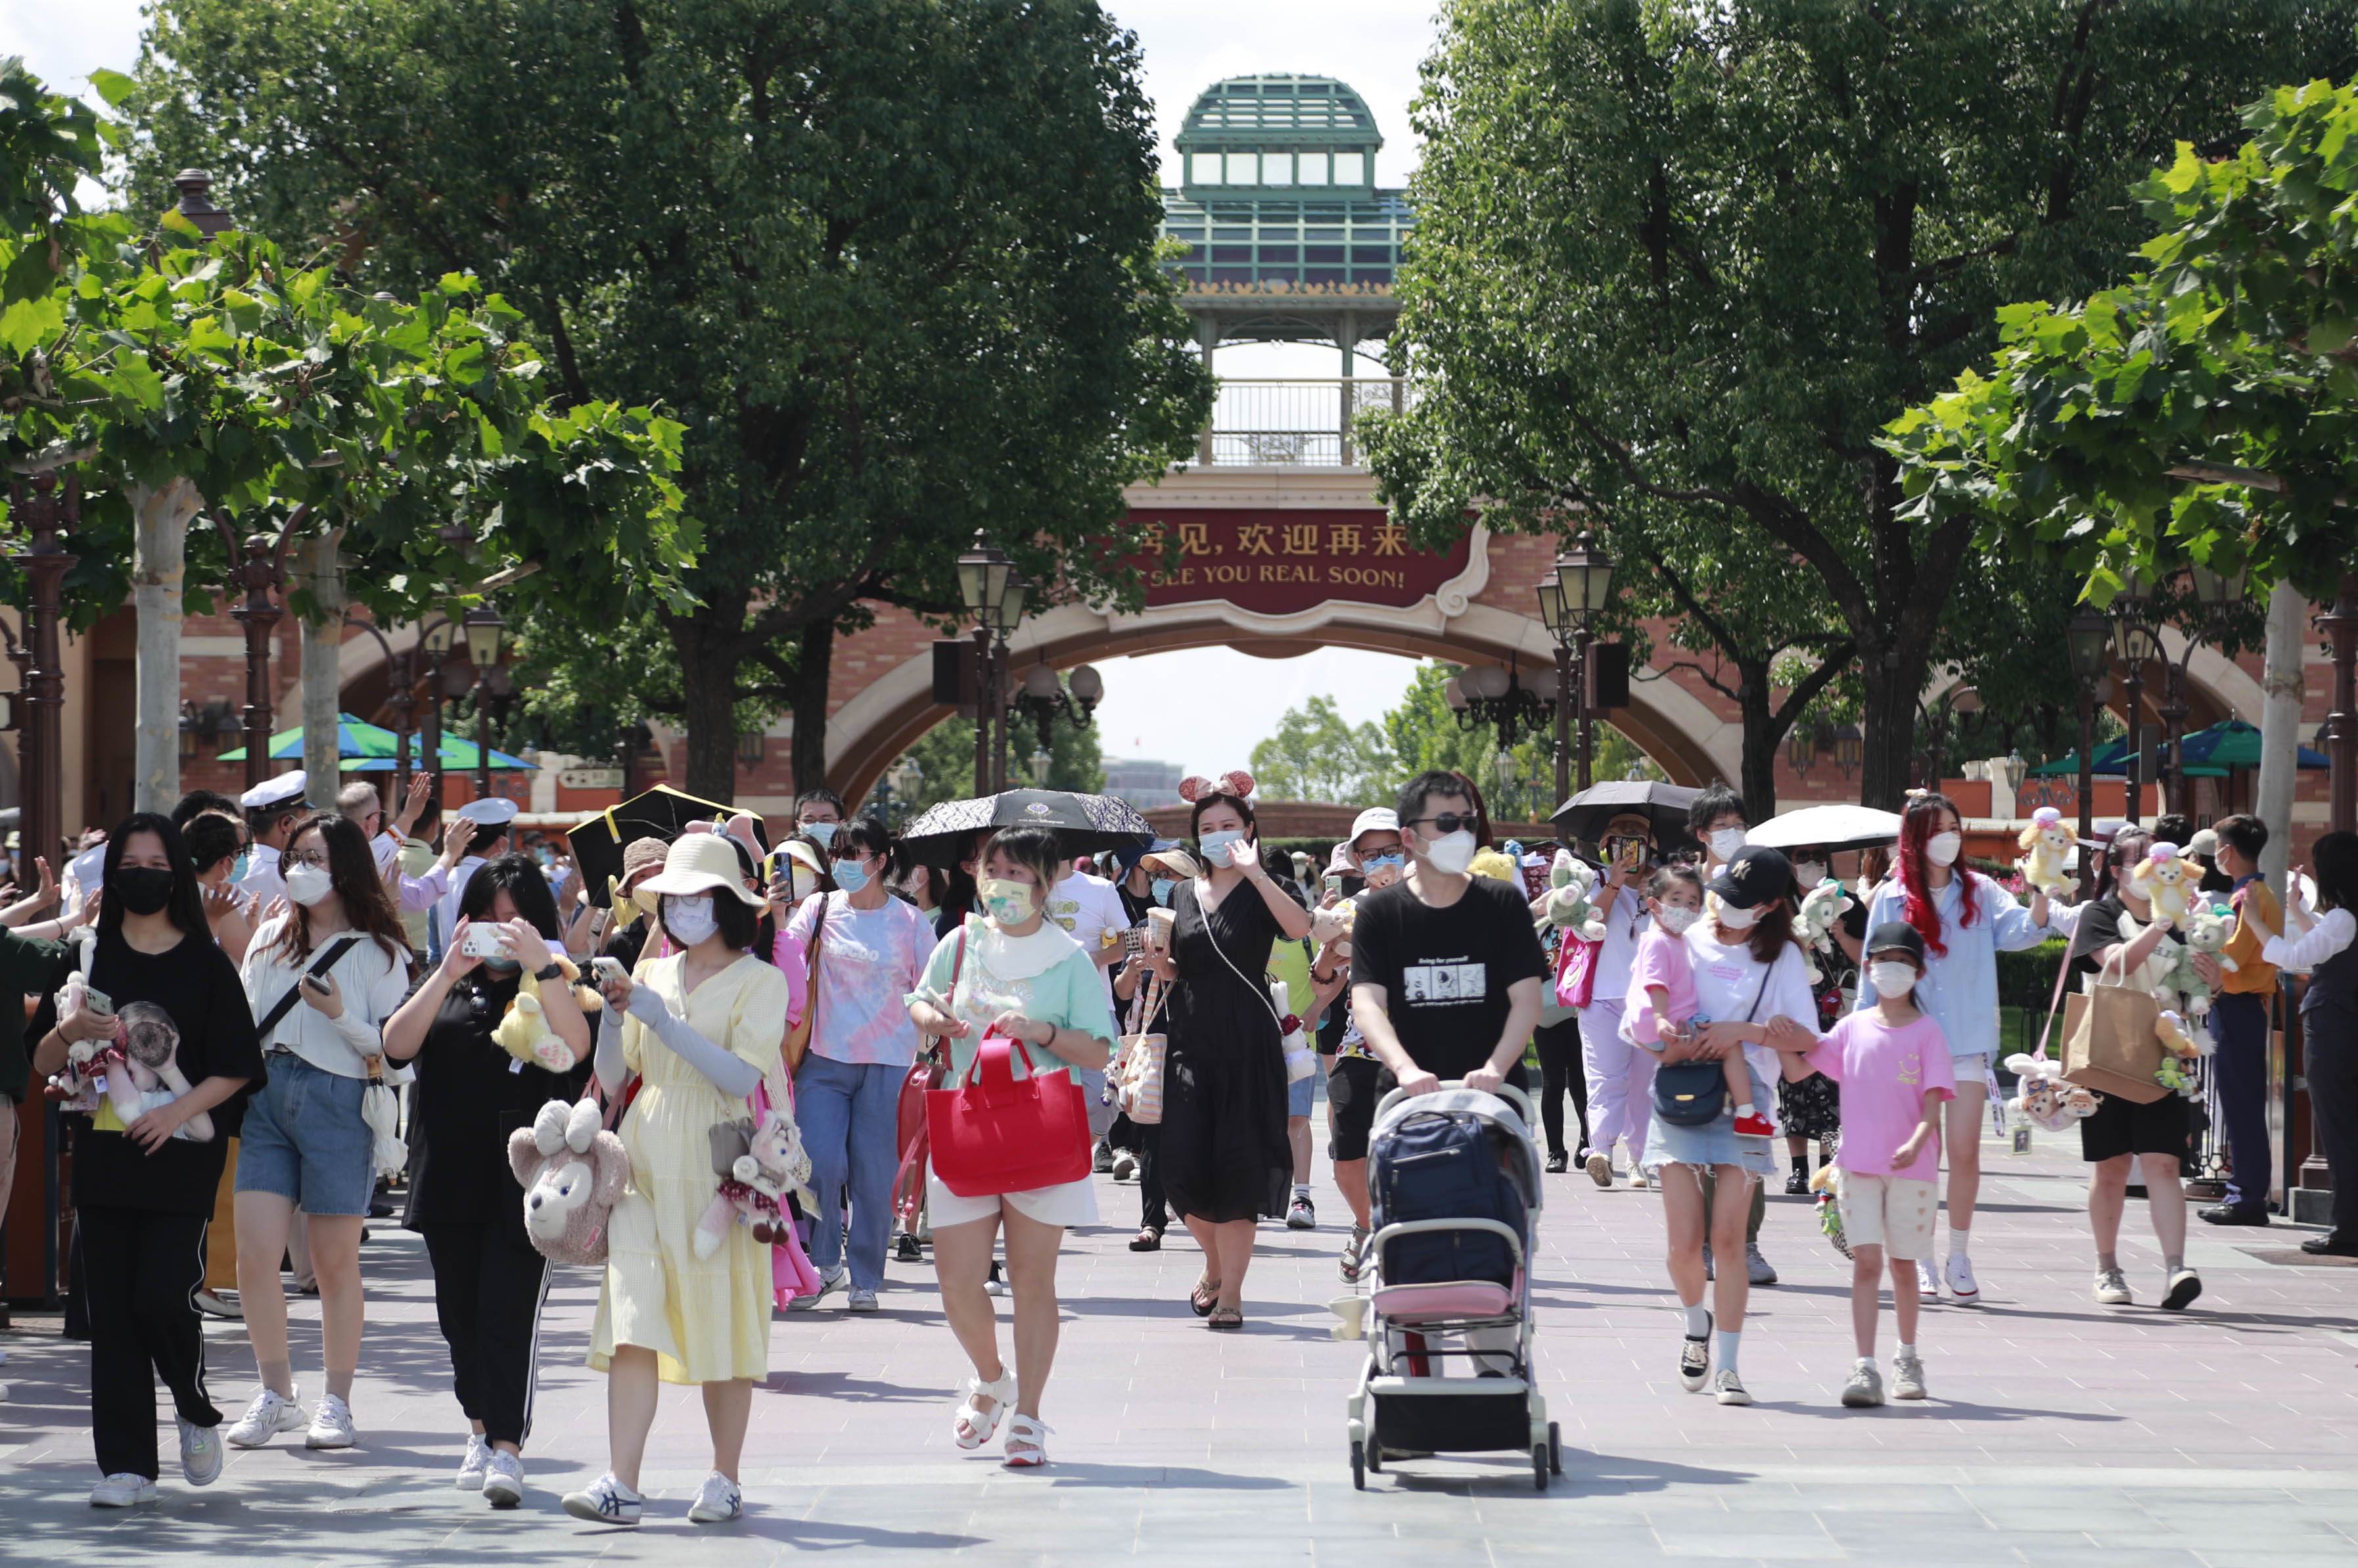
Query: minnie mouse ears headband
[1237, 782]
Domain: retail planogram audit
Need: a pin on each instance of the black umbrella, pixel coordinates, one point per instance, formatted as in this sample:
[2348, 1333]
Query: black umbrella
[1664, 806]
[1084, 823]
[661, 812]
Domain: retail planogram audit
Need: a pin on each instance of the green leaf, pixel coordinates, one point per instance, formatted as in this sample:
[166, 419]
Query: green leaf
[112, 86]
[28, 323]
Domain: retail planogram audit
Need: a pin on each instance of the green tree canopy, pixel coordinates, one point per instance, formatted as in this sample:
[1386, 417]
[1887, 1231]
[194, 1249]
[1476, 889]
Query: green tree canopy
[1697, 255]
[1318, 755]
[891, 262]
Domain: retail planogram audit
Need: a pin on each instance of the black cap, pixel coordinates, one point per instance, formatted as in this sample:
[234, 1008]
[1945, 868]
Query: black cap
[1755, 876]
[1897, 936]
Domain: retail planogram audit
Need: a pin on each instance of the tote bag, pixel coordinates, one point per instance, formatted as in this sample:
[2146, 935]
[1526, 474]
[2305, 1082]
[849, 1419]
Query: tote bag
[1575, 971]
[2109, 1046]
[998, 1133]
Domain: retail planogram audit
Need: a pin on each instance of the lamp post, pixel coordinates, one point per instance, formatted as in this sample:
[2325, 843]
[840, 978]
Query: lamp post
[982, 574]
[903, 779]
[2340, 625]
[262, 567]
[1957, 699]
[483, 627]
[2137, 638]
[2087, 643]
[50, 511]
[2128, 629]
[1578, 589]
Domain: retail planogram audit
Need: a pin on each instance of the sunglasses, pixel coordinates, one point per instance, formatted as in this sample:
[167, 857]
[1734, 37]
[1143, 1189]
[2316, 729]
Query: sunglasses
[1450, 822]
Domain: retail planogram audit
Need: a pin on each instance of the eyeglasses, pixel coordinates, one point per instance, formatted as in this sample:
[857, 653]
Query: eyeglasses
[307, 857]
[1450, 822]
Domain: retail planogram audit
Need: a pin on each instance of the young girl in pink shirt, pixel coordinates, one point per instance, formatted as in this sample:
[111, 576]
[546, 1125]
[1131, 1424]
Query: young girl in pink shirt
[1892, 1063]
[1661, 983]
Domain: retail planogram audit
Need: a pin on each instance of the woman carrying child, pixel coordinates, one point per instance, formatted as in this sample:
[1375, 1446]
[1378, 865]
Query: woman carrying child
[1750, 995]
[1892, 1066]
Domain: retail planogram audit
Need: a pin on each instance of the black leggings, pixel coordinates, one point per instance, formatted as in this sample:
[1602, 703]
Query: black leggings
[488, 1289]
[142, 1271]
[1560, 1069]
[1153, 1214]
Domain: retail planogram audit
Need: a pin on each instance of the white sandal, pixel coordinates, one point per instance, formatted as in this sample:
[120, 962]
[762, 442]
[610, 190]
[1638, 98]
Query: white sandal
[971, 1428]
[1030, 1430]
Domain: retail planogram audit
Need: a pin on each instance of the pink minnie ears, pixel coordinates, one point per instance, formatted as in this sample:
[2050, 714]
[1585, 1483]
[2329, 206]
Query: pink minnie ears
[1237, 782]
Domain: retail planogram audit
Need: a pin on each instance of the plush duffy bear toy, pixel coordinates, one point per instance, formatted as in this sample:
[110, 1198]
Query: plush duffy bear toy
[2046, 851]
[524, 1031]
[572, 1171]
[2167, 879]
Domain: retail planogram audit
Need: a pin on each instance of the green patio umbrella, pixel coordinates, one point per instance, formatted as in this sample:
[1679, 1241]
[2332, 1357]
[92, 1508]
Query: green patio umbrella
[370, 747]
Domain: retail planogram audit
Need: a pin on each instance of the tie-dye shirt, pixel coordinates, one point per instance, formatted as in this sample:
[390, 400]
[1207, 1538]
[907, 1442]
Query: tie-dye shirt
[868, 960]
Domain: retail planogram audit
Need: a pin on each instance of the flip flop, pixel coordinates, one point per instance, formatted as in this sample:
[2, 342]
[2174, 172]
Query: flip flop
[1203, 1297]
[1224, 1320]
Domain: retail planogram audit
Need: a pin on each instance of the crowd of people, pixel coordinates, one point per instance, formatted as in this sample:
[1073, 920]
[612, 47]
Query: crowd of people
[324, 1002]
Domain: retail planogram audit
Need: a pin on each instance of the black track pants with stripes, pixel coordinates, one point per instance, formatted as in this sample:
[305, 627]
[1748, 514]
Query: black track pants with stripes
[488, 1287]
[141, 1273]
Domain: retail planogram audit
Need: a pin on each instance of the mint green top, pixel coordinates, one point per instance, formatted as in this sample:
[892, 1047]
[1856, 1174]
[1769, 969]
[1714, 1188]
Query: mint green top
[1045, 976]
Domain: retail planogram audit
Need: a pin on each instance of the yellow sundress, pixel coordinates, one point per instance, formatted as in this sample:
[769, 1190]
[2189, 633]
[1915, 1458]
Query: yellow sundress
[708, 1319]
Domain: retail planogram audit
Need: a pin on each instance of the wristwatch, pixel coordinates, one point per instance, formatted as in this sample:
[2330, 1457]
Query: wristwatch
[550, 973]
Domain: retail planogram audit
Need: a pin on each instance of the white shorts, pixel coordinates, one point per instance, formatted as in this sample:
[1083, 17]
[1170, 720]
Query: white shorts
[1067, 1204]
[1894, 1213]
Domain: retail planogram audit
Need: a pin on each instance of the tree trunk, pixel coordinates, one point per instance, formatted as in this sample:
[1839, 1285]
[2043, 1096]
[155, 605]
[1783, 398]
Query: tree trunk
[814, 660]
[323, 638]
[1762, 733]
[1891, 687]
[159, 565]
[708, 647]
[2280, 679]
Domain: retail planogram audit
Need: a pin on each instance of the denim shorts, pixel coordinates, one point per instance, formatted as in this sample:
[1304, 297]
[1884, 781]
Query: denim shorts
[1714, 1143]
[304, 1139]
[1302, 1093]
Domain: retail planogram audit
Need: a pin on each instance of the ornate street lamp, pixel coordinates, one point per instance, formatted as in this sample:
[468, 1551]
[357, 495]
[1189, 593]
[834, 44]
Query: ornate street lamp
[983, 572]
[1041, 696]
[483, 629]
[1577, 592]
[2340, 625]
[2087, 642]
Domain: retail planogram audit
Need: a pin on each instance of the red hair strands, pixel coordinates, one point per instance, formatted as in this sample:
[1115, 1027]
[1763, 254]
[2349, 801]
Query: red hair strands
[1920, 908]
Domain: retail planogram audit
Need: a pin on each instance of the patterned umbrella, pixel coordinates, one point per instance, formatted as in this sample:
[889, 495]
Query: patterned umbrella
[1084, 823]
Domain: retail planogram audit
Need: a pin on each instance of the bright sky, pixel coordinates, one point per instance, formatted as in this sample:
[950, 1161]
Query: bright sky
[1205, 707]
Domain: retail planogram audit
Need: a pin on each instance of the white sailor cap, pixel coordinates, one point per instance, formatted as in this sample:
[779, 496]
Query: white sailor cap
[284, 790]
[492, 811]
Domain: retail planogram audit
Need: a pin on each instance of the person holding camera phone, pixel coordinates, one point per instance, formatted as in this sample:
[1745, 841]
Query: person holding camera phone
[322, 977]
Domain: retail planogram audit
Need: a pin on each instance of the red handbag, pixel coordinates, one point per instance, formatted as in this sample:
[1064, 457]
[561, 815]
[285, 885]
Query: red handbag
[998, 1133]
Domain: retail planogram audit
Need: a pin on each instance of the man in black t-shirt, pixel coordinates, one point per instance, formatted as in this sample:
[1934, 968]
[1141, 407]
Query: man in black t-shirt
[1446, 969]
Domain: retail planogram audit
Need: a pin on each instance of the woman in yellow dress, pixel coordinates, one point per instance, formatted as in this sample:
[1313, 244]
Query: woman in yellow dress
[702, 1029]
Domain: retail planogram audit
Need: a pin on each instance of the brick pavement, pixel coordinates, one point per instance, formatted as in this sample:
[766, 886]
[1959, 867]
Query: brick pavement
[2059, 1429]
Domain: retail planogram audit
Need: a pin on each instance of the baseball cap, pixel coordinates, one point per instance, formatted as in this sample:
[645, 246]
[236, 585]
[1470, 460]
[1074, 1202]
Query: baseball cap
[1756, 875]
[1897, 936]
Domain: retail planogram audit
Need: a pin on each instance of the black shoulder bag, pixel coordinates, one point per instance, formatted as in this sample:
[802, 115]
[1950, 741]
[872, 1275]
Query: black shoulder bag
[286, 1003]
[1690, 1094]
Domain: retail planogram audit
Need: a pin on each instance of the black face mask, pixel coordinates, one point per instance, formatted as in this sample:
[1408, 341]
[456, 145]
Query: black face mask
[142, 890]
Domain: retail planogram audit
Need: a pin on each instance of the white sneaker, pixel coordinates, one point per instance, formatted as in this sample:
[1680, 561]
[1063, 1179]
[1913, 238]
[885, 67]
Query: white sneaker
[859, 1300]
[1125, 1165]
[201, 1454]
[1599, 1168]
[269, 1414]
[469, 1477]
[502, 1479]
[1962, 1284]
[1907, 1377]
[1728, 1389]
[121, 1491]
[1928, 1285]
[332, 1424]
[2113, 1287]
[718, 1501]
[828, 1285]
[605, 1501]
[1865, 1390]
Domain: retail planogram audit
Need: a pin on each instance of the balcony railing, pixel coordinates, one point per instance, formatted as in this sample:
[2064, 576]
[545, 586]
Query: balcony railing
[1293, 424]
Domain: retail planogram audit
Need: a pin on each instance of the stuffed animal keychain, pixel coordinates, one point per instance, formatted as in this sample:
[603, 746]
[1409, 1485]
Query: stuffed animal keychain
[1822, 911]
[2166, 880]
[756, 1163]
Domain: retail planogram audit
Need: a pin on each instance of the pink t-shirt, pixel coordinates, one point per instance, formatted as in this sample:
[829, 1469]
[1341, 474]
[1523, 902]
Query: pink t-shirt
[1662, 961]
[1884, 1072]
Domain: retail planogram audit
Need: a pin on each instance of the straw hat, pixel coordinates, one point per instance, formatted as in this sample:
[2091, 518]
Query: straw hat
[701, 862]
[640, 855]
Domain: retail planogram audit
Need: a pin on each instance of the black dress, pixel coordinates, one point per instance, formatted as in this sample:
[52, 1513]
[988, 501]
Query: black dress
[1224, 1155]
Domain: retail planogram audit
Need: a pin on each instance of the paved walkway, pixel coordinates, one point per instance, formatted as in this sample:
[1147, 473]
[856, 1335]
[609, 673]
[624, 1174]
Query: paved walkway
[2222, 1437]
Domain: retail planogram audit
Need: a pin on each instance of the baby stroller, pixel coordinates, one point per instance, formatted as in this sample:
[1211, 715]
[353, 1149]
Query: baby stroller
[1453, 1183]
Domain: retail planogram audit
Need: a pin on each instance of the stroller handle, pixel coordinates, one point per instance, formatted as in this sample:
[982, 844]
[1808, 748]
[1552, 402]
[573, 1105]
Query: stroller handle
[1508, 1092]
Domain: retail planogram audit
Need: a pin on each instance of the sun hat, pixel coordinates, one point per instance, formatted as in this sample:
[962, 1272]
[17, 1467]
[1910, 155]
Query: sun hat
[1177, 861]
[803, 854]
[1375, 818]
[642, 855]
[701, 862]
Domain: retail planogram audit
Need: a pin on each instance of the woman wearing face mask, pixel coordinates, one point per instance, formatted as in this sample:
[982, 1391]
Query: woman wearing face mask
[1225, 1159]
[1966, 920]
[340, 958]
[1019, 976]
[143, 1193]
[702, 1028]
[489, 1282]
[215, 841]
[870, 948]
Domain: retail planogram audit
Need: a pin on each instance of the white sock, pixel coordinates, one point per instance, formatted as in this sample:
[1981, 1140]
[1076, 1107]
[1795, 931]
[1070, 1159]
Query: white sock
[1958, 1239]
[1729, 1338]
[1866, 1361]
[1301, 1189]
[1744, 1111]
[1908, 1353]
[1698, 1321]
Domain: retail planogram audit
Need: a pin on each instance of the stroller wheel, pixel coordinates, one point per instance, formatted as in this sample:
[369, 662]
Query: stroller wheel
[1538, 1466]
[1359, 1466]
[1556, 1449]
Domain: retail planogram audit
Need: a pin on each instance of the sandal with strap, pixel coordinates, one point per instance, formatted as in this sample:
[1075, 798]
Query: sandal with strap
[1032, 1432]
[971, 1428]
[1202, 1299]
[1224, 1320]
[1148, 1239]
[1354, 1253]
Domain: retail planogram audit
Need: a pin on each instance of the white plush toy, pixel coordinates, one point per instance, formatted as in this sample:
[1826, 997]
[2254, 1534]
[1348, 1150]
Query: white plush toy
[1822, 911]
[1570, 902]
[2046, 851]
[2045, 1096]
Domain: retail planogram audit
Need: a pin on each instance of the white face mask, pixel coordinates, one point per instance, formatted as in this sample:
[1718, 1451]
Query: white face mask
[1809, 873]
[1451, 853]
[689, 917]
[307, 885]
[1675, 918]
[1726, 842]
[1739, 919]
[1942, 849]
[1891, 979]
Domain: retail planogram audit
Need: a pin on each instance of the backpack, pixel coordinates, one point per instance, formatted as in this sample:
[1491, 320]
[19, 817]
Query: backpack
[1447, 1165]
